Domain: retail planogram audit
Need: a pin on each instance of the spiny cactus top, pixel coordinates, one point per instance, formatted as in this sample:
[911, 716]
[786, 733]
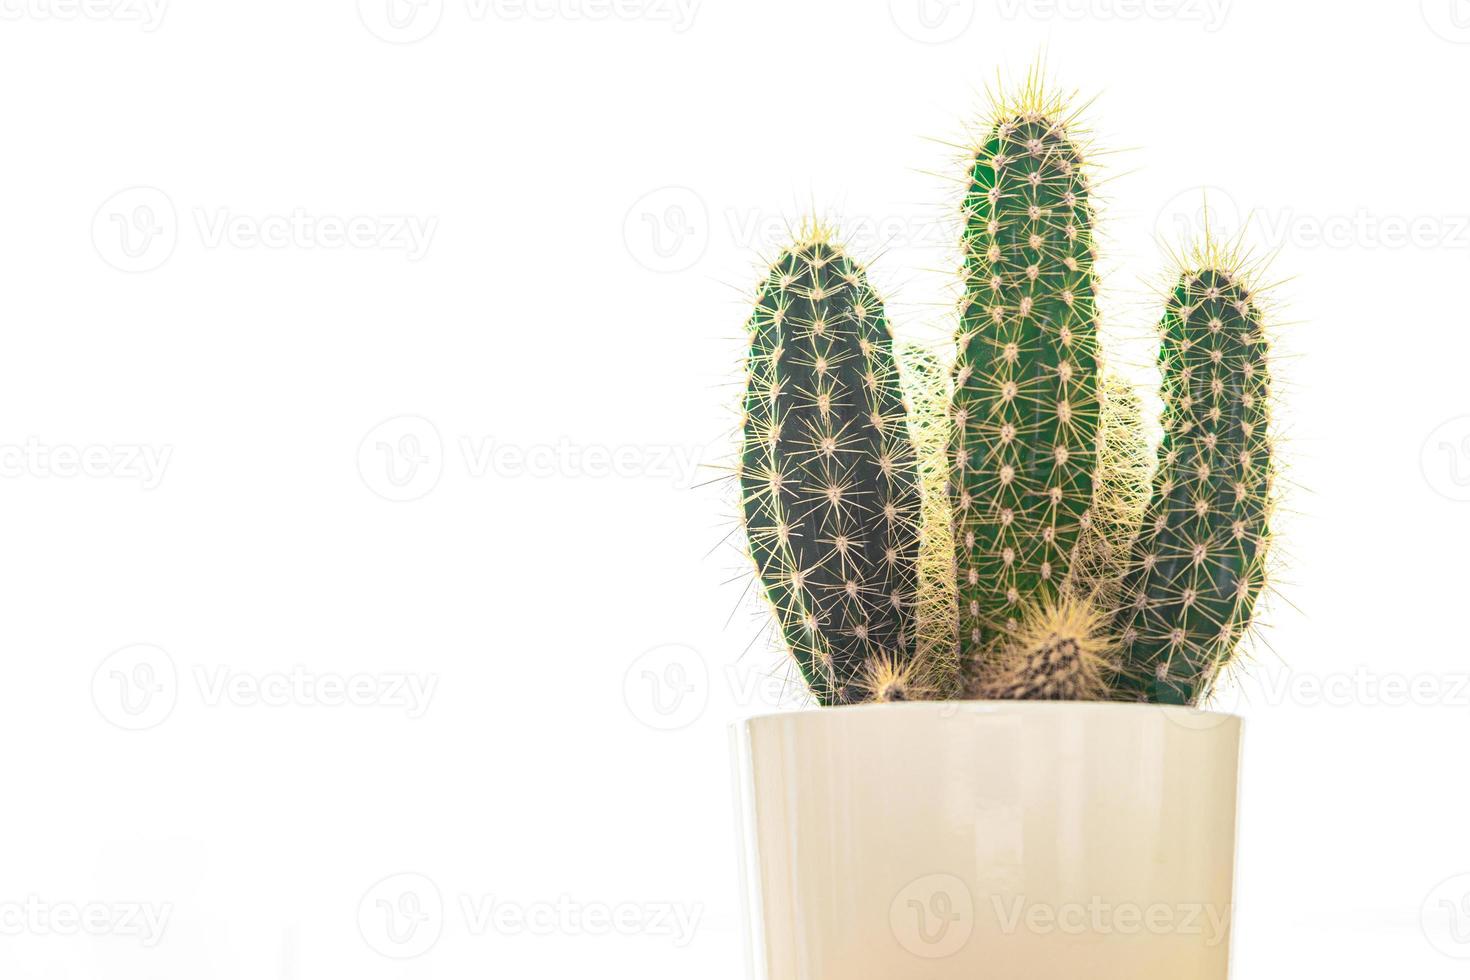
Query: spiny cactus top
[1026, 403]
[1005, 533]
[828, 480]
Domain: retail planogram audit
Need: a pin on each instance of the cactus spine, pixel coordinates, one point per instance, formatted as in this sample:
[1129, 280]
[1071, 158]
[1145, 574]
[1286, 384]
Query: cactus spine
[1124, 472]
[926, 385]
[1026, 404]
[1003, 531]
[829, 488]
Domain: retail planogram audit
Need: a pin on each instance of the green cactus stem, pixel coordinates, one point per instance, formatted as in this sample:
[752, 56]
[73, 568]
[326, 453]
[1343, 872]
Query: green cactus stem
[1198, 564]
[829, 489]
[1026, 401]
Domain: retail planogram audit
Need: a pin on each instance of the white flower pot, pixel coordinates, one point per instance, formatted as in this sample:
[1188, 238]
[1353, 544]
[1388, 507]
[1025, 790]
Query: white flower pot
[1009, 840]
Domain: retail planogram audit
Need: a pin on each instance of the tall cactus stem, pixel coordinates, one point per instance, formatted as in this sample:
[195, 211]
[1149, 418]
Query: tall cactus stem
[1024, 448]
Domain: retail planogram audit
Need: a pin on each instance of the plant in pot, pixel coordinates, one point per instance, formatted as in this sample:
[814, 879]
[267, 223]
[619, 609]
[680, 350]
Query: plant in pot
[1007, 606]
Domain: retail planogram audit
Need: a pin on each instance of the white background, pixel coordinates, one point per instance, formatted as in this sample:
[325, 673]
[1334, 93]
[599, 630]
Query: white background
[260, 443]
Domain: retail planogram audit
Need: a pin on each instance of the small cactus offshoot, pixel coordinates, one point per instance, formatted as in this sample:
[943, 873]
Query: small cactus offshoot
[1002, 530]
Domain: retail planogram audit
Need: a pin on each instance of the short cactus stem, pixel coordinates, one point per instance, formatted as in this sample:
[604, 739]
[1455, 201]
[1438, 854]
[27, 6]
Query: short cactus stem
[1198, 564]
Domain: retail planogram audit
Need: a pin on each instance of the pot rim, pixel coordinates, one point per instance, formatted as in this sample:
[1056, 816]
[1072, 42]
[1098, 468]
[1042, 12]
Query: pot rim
[997, 707]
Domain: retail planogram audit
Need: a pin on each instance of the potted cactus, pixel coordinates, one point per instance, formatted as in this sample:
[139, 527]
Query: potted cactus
[1008, 608]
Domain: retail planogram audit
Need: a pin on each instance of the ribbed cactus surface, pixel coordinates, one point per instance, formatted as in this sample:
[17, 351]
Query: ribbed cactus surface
[829, 487]
[1198, 563]
[1026, 401]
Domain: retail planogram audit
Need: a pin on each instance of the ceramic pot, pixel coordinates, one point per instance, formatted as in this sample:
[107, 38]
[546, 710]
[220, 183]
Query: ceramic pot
[1013, 840]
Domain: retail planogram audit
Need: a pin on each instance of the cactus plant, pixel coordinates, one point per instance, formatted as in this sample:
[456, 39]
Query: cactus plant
[1002, 532]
